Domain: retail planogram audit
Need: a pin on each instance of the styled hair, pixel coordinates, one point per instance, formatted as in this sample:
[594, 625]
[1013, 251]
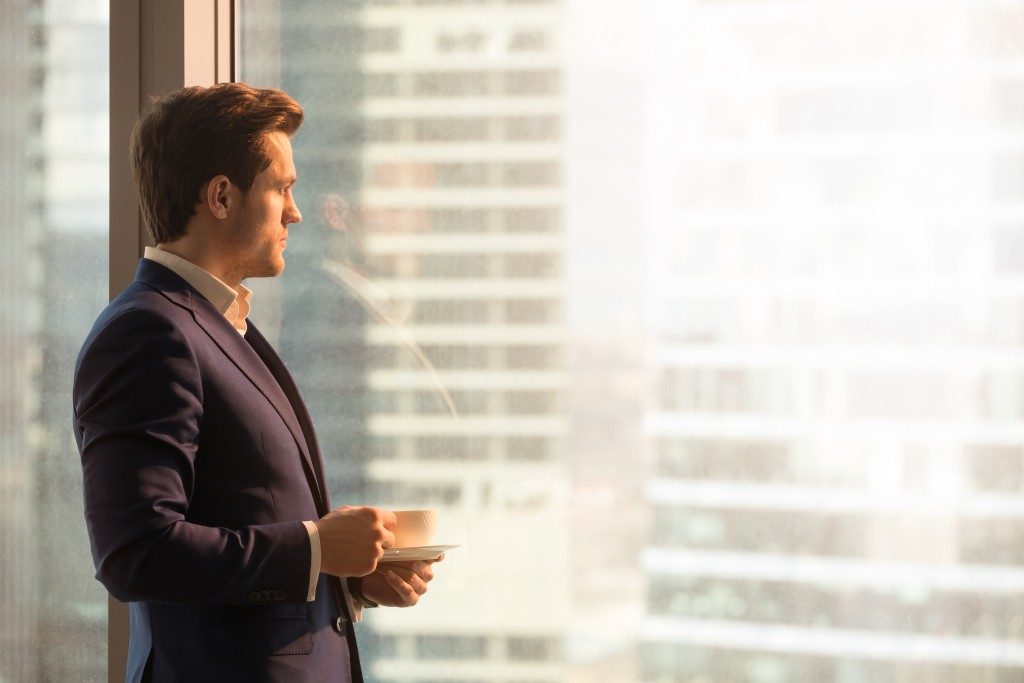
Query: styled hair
[196, 133]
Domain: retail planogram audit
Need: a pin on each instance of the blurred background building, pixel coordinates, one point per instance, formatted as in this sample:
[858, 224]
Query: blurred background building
[423, 307]
[836, 275]
[53, 270]
[19, 590]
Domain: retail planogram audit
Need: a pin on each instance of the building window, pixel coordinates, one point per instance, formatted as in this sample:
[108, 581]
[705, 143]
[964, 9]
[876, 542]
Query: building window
[532, 83]
[532, 128]
[528, 41]
[532, 219]
[451, 647]
[533, 649]
[451, 84]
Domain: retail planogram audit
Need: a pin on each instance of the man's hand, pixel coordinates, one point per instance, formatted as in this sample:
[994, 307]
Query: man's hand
[399, 584]
[353, 539]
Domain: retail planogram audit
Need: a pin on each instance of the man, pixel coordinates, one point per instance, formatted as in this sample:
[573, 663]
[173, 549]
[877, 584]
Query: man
[205, 495]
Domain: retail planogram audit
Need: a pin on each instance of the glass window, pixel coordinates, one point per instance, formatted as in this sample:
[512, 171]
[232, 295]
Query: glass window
[707, 320]
[53, 276]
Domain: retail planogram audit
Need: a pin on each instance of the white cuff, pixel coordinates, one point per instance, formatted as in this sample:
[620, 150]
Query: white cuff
[314, 559]
[355, 607]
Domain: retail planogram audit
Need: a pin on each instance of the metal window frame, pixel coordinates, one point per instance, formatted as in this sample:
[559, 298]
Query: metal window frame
[156, 47]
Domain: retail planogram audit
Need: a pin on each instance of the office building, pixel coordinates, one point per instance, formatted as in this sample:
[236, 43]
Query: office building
[422, 310]
[837, 375]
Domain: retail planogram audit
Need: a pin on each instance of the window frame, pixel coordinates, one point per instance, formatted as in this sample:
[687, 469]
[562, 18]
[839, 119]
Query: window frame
[156, 47]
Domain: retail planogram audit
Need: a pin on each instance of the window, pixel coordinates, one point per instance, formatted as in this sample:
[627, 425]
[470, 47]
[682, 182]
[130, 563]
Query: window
[528, 41]
[460, 220]
[995, 468]
[538, 128]
[452, 130]
[730, 460]
[527, 449]
[726, 390]
[734, 283]
[532, 357]
[532, 219]
[532, 403]
[531, 174]
[450, 84]
[531, 312]
[451, 647]
[451, 448]
[53, 270]
[531, 83]
[544, 266]
[433, 311]
[533, 649]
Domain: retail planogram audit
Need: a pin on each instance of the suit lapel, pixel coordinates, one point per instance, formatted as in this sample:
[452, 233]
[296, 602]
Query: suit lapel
[244, 357]
[252, 366]
[284, 379]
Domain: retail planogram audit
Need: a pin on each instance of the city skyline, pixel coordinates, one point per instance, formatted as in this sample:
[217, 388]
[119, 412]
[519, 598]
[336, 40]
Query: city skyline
[726, 297]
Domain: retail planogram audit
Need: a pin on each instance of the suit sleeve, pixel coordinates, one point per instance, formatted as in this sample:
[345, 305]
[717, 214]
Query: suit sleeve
[138, 406]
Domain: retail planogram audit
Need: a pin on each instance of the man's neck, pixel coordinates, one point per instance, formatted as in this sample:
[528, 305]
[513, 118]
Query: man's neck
[199, 256]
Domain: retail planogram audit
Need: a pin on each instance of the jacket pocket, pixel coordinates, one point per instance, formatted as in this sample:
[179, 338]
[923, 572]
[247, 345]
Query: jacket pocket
[257, 636]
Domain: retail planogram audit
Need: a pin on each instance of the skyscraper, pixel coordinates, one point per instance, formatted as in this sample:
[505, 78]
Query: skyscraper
[423, 315]
[838, 430]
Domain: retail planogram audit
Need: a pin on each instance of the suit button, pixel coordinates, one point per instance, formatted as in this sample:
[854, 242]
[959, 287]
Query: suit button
[279, 595]
[264, 595]
[339, 624]
[254, 596]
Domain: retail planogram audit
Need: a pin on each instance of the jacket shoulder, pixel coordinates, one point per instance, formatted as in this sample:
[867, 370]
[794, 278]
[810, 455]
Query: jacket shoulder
[139, 309]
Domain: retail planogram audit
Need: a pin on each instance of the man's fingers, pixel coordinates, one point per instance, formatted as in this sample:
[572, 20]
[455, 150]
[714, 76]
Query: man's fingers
[419, 567]
[413, 578]
[389, 519]
[388, 539]
[405, 591]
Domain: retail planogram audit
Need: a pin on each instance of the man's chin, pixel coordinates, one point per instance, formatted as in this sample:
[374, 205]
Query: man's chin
[276, 268]
[270, 269]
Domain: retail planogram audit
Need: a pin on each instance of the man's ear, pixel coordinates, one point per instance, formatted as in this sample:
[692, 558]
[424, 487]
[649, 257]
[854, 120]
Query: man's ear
[218, 196]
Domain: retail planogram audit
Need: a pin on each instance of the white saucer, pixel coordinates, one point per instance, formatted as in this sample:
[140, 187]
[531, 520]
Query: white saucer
[423, 552]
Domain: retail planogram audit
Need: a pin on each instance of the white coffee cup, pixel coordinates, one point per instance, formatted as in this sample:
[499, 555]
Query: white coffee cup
[415, 528]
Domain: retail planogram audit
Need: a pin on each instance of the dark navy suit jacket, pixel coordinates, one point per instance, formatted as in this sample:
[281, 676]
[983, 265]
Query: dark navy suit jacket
[200, 464]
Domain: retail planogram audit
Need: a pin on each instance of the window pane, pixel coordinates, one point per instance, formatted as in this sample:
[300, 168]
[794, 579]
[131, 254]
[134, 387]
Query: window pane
[53, 276]
[700, 322]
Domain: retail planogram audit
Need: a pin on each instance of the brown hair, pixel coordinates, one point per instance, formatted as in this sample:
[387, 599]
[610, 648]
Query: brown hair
[196, 133]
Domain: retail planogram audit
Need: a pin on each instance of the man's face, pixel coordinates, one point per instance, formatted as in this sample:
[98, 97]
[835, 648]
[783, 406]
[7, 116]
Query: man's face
[268, 209]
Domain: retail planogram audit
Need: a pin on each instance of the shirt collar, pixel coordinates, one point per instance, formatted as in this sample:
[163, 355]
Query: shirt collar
[233, 304]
